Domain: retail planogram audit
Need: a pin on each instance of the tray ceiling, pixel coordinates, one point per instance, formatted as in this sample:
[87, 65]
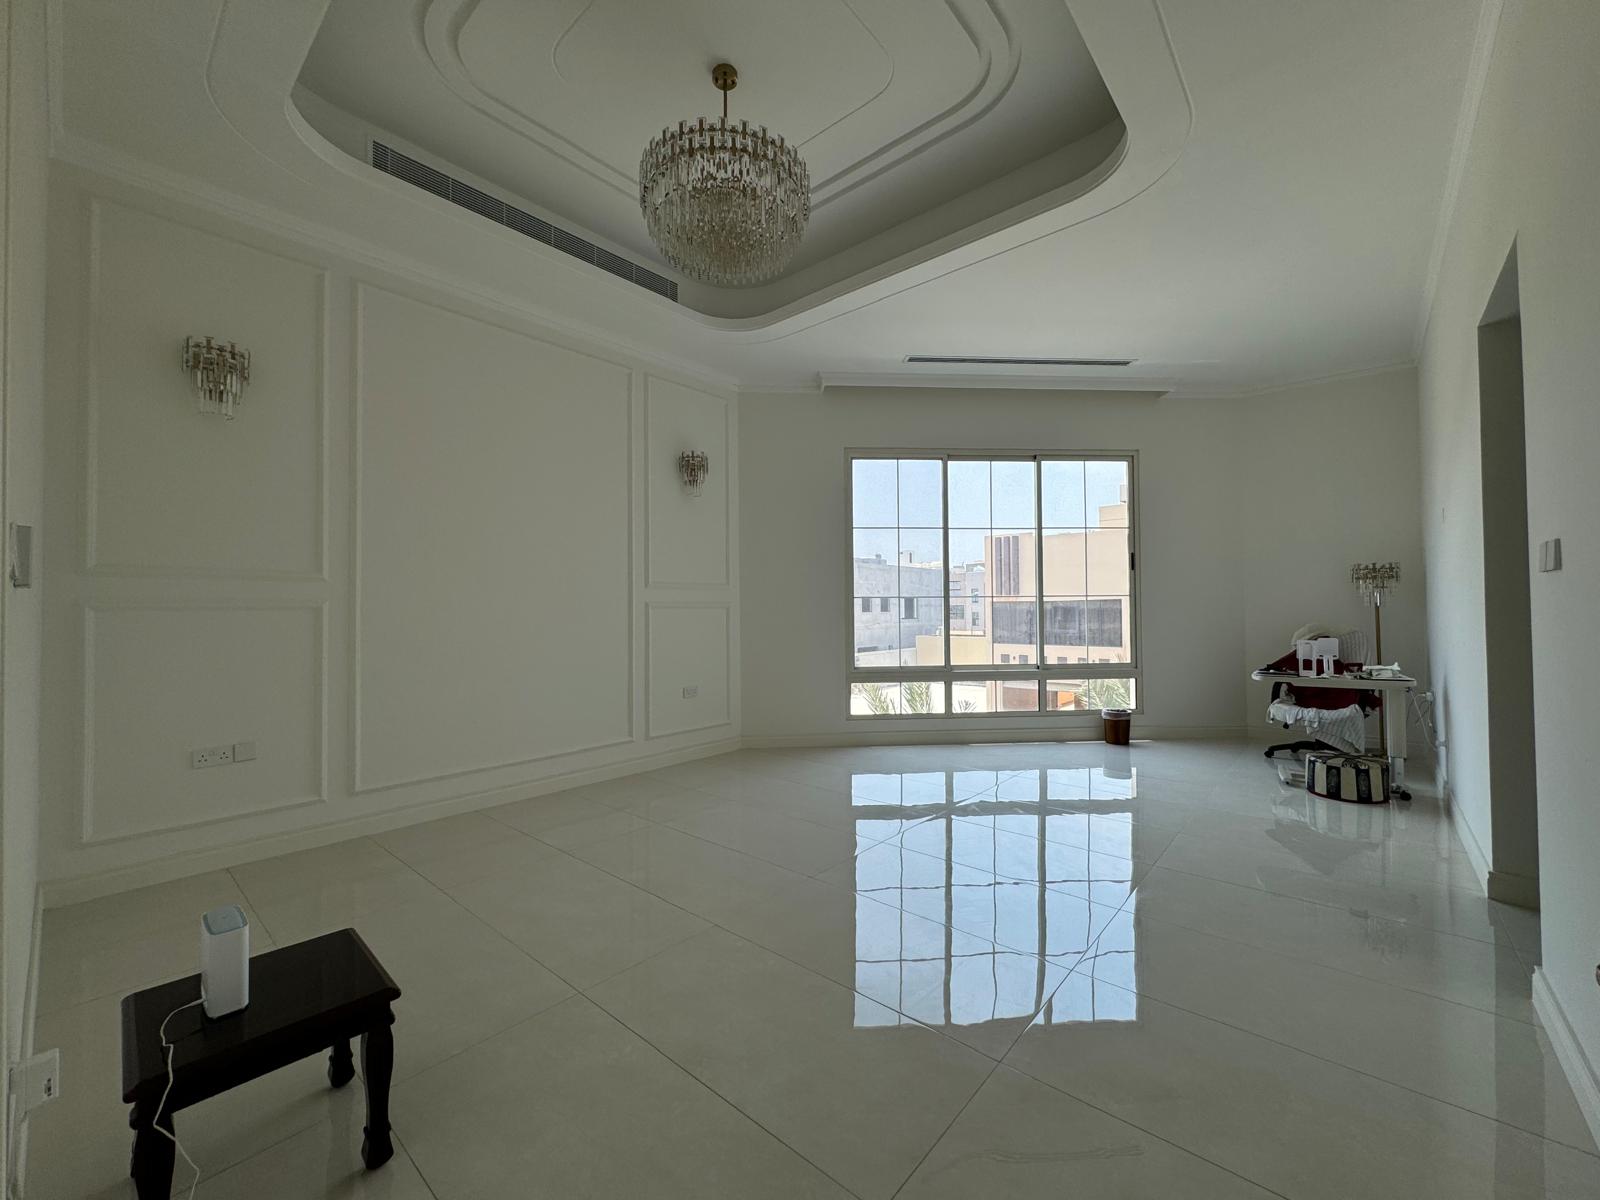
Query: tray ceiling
[918, 118]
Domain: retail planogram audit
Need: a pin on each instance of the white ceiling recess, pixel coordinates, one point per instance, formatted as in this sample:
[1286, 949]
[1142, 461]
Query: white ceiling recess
[924, 111]
[1266, 216]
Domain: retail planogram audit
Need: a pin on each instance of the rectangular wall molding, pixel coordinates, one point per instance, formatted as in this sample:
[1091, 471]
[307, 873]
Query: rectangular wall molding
[690, 645]
[226, 465]
[159, 764]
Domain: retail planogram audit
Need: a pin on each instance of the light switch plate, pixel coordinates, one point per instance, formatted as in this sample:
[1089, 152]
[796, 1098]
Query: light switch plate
[1550, 555]
[692, 692]
[19, 551]
[244, 751]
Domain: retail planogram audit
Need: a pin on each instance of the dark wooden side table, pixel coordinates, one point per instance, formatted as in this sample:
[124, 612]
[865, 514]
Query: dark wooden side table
[304, 999]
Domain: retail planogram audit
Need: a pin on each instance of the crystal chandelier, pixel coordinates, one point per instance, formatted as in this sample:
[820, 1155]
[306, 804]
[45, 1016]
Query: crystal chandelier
[726, 203]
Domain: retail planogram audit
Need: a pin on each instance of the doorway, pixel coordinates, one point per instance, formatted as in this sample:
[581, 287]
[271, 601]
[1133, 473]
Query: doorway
[1508, 640]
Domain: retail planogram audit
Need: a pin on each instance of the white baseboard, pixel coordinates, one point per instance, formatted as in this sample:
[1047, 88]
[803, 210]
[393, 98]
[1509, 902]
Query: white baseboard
[75, 889]
[1575, 1064]
[16, 1130]
[1475, 855]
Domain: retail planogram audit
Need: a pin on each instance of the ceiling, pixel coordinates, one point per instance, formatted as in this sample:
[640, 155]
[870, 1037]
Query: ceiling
[899, 107]
[1261, 208]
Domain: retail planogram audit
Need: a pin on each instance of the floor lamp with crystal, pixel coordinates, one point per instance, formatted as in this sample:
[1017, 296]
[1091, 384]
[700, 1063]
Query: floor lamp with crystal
[1372, 580]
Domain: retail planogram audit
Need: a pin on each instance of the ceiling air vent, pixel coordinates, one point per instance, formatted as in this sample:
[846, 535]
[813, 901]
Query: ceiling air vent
[418, 174]
[986, 361]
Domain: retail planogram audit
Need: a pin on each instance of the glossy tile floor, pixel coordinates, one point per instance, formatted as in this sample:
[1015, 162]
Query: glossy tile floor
[993, 971]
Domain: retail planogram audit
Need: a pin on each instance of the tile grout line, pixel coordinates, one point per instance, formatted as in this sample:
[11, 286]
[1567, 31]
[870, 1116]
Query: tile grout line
[713, 1091]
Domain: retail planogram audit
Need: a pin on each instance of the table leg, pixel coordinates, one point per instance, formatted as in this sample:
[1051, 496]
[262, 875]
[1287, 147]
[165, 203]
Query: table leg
[341, 1064]
[152, 1153]
[377, 1065]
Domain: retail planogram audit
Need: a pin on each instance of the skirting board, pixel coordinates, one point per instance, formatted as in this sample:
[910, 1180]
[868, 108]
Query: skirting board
[1580, 1072]
[1475, 854]
[58, 892]
[17, 1135]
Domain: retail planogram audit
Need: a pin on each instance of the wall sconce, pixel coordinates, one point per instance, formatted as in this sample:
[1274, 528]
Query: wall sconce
[218, 372]
[693, 465]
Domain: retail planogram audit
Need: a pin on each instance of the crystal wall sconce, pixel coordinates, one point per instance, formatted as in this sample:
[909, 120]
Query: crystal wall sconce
[218, 372]
[693, 465]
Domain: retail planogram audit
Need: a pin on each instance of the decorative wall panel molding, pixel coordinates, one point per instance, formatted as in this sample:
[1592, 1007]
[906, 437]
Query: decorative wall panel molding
[689, 538]
[690, 651]
[164, 677]
[172, 492]
[491, 557]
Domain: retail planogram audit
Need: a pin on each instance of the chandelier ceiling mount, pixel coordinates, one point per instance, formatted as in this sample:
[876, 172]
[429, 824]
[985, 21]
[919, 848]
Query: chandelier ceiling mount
[726, 202]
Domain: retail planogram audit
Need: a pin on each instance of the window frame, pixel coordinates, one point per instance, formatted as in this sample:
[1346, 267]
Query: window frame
[1041, 670]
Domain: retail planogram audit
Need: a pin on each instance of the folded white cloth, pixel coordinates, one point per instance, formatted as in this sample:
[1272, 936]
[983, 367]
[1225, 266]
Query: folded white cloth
[1342, 728]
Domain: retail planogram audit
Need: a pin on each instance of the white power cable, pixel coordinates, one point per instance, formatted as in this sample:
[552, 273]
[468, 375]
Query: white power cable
[164, 1132]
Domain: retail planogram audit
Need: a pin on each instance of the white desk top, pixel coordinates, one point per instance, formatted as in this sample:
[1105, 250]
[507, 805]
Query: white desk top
[1399, 683]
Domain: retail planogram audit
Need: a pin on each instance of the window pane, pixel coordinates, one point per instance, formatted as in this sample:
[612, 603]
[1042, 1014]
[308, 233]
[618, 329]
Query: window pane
[1110, 629]
[921, 492]
[872, 491]
[1014, 630]
[874, 699]
[922, 697]
[877, 634]
[1108, 562]
[922, 562]
[969, 696]
[1008, 560]
[874, 555]
[922, 631]
[1062, 494]
[1089, 695]
[969, 495]
[1106, 483]
[1066, 567]
[1011, 494]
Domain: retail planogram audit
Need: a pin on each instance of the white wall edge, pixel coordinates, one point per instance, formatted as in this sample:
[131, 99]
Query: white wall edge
[73, 890]
[1580, 1072]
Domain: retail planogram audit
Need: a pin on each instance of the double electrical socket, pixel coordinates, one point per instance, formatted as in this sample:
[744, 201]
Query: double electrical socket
[221, 756]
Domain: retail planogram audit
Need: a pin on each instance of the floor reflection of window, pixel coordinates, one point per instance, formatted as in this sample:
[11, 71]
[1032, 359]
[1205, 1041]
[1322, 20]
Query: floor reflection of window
[995, 888]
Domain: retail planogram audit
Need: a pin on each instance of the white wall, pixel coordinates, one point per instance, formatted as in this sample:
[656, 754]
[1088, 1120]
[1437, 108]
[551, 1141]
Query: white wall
[440, 559]
[22, 343]
[1531, 176]
[1239, 542]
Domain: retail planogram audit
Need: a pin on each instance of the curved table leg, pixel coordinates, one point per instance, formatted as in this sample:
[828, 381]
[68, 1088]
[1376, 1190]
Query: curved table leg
[341, 1064]
[377, 1065]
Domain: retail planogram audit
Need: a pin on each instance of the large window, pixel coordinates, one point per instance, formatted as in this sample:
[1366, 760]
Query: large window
[955, 559]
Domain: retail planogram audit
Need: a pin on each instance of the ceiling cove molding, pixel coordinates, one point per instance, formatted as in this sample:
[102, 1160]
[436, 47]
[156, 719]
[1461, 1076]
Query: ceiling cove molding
[258, 50]
[1483, 44]
[997, 60]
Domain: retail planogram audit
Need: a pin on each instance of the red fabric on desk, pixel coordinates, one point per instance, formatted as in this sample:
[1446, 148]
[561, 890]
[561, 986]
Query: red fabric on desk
[1322, 697]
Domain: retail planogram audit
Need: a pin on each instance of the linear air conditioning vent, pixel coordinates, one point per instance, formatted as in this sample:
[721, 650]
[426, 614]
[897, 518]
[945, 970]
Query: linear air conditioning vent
[418, 174]
[986, 361]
